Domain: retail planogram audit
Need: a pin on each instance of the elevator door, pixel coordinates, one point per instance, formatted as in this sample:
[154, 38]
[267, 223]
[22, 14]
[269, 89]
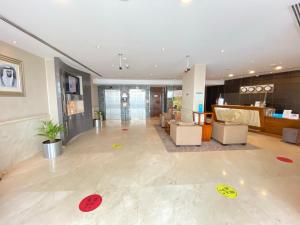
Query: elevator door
[112, 104]
[137, 102]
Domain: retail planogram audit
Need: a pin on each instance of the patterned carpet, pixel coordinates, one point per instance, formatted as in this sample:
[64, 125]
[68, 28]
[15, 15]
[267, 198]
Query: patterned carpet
[206, 146]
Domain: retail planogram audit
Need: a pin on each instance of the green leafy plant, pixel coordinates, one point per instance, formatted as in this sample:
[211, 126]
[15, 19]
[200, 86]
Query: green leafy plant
[98, 115]
[50, 130]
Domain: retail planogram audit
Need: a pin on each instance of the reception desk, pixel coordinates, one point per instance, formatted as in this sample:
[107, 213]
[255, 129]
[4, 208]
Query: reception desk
[275, 125]
[254, 117]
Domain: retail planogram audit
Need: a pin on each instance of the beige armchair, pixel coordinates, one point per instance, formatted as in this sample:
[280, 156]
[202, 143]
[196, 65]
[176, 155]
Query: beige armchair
[230, 133]
[185, 133]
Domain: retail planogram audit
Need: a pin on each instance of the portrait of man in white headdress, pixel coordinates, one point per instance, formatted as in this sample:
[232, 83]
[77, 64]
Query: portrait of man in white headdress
[8, 76]
[11, 77]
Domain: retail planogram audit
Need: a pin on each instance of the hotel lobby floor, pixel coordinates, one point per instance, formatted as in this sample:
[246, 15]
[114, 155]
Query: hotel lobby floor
[143, 184]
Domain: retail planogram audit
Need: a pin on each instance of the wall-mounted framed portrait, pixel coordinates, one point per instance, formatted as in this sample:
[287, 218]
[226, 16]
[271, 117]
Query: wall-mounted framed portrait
[11, 77]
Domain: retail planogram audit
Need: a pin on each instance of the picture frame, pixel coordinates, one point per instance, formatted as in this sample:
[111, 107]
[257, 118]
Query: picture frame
[11, 77]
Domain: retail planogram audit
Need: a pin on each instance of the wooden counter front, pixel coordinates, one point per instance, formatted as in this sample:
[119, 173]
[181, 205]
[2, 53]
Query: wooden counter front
[275, 125]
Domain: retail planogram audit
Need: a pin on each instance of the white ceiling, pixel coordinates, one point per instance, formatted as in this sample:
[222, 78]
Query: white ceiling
[253, 33]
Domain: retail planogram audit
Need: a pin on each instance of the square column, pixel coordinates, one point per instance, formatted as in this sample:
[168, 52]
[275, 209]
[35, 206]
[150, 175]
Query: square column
[193, 91]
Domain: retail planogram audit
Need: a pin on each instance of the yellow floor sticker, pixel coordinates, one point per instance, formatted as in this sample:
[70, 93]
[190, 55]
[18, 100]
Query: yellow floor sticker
[117, 146]
[226, 190]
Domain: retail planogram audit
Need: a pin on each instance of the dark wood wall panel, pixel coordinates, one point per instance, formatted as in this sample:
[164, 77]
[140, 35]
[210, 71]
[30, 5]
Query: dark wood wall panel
[212, 93]
[286, 91]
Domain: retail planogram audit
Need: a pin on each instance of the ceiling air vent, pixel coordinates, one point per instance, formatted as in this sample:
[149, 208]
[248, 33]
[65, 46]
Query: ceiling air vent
[296, 9]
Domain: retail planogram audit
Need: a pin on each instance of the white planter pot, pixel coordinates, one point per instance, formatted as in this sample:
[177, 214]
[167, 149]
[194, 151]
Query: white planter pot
[52, 150]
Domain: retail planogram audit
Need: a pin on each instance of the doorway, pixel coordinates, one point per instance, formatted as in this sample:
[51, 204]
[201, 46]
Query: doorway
[156, 101]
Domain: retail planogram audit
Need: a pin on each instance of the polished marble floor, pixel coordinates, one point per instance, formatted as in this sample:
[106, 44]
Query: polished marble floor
[143, 184]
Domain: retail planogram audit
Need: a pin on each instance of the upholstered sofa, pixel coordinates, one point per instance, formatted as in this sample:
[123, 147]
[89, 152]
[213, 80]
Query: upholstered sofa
[230, 133]
[165, 118]
[185, 133]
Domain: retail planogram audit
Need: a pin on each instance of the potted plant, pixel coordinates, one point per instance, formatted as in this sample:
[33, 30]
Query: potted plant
[98, 119]
[52, 146]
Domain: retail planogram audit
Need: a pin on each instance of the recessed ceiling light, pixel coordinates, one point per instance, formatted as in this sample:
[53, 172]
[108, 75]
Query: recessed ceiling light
[251, 71]
[98, 46]
[124, 58]
[231, 75]
[113, 65]
[163, 49]
[278, 67]
[222, 51]
[186, 1]
[155, 65]
[62, 1]
[15, 42]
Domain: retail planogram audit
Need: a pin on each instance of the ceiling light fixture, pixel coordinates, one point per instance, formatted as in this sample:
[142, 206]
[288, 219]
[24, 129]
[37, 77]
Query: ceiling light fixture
[186, 1]
[222, 51]
[163, 49]
[64, 2]
[188, 66]
[251, 71]
[231, 75]
[121, 57]
[98, 46]
[278, 67]
[155, 65]
[120, 61]
[15, 42]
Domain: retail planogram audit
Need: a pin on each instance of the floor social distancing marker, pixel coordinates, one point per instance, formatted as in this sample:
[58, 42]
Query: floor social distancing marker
[284, 159]
[90, 203]
[226, 190]
[117, 146]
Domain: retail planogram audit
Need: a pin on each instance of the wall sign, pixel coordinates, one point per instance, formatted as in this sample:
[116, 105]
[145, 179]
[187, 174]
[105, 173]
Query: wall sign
[265, 88]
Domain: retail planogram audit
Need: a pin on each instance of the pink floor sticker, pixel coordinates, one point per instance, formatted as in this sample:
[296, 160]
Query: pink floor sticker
[284, 159]
[90, 203]
[124, 129]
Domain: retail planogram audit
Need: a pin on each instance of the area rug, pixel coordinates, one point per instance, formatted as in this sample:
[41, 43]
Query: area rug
[206, 146]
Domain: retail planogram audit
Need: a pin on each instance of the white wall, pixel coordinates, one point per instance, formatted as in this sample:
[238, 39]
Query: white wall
[193, 83]
[51, 89]
[20, 116]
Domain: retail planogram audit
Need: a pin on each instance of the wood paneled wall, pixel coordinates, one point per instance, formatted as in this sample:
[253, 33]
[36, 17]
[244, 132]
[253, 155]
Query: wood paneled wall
[286, 91]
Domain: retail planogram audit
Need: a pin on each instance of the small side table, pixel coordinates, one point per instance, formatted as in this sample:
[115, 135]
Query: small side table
[206, 127]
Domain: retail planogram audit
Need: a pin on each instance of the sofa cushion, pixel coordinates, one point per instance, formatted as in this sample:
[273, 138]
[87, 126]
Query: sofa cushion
[185, 123]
